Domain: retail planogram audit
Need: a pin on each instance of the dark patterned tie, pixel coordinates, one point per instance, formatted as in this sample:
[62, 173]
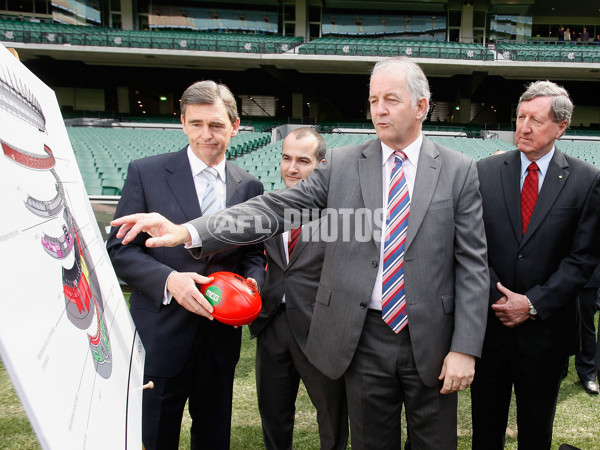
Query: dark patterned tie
[393, 307]
[293, 240]
[529, 195]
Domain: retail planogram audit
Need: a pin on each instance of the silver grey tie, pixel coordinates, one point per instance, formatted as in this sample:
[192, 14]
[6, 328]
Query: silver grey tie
[209, 199]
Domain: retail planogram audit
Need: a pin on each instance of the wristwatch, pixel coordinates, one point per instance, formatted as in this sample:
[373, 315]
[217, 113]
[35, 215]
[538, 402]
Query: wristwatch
[532, 310]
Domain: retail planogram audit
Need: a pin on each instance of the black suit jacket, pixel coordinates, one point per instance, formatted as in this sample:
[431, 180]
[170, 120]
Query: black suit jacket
[164, 184]
[594, 281]
[298, 280]
[555, 258]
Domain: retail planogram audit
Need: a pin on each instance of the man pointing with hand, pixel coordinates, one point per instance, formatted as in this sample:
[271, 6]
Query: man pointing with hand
[401, 305]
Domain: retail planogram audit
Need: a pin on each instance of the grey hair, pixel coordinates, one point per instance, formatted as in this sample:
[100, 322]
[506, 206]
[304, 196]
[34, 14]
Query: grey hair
[416, 81]
[208, 93]
[562, 106]
[302, 132]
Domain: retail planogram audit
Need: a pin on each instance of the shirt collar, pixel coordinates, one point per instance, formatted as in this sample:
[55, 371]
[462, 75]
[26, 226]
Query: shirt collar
[198, 165]
[411, 151]
[542, 163]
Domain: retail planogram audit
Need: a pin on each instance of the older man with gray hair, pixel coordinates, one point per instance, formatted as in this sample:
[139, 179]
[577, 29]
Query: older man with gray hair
[540, 209]
[400, 309]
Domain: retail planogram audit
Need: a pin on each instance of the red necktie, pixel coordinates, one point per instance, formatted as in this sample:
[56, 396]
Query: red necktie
[293, 240]
[529, 195]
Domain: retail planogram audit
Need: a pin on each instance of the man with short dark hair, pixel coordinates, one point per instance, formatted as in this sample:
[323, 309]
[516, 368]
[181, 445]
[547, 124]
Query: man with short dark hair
[294, 266]
[188, 355]
[540, 209]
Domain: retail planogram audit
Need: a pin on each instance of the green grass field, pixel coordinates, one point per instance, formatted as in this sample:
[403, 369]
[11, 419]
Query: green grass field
[577, 419]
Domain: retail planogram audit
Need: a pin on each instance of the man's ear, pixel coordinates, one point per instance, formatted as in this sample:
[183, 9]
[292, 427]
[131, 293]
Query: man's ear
[236, 127]
[422, 107]
[562, 127]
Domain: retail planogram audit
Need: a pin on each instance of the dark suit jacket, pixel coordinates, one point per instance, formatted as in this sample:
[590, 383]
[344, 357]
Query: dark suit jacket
[594, 281]
[298, 280]
[555, 258]
[164, 184]
[445, 266]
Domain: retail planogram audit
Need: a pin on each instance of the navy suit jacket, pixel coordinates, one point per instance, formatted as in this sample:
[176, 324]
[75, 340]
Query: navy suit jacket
[555, 257]
[164, 184]
[594, 281]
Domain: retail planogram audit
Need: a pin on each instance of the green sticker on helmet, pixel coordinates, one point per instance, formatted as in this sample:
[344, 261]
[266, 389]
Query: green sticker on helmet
[213, 294]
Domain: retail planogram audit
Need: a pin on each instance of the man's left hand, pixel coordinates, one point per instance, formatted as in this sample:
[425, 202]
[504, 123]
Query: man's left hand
[458, 371]
[514, 311]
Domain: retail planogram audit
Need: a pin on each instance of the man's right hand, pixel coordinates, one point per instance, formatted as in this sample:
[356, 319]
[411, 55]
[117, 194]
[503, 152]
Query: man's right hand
[164, 232]
[183, 287]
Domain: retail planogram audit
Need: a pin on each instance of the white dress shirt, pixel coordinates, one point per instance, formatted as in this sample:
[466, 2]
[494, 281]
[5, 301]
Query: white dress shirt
[542, 164]
[201, 182]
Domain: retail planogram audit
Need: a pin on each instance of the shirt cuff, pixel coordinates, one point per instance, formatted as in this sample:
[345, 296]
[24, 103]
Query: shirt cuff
[167, 296]
[196, 241]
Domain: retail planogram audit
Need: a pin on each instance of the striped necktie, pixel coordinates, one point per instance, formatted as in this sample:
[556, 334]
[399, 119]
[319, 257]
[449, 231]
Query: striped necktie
[529, 195]
[293, 240]
[393, 297]
[209, 199]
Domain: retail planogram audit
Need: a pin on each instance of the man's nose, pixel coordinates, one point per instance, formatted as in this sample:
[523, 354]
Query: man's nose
[205, 133]
[379, 108]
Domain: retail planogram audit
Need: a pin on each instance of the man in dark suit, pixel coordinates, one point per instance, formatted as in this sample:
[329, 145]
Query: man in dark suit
[188, 355]
[425, 352]
[586, 357]
[542, 226]
[282, 326]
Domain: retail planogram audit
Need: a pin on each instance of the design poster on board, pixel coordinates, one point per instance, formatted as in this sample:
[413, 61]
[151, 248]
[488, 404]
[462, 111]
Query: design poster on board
[66, 337]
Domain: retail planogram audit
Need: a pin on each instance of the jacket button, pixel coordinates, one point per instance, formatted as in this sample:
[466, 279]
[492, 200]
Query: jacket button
[363, 305]
[520, 258]
[374, 263]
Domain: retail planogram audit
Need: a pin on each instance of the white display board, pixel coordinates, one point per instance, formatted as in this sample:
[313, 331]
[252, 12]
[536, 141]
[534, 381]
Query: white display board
[66, 337]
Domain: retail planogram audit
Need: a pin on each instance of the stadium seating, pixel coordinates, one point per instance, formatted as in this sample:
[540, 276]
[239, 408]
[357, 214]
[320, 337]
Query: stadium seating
[476, 148]
[103, 154]
[54, 33]
[549, 52]
[349, 46]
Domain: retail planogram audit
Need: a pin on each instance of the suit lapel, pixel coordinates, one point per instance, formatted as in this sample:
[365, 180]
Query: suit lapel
[310, 233]
[371, 183]
[231, 184]
[181, 183]
[553, 183]
[277, 242]
[274, 247]
[428, 172]
[511, 174]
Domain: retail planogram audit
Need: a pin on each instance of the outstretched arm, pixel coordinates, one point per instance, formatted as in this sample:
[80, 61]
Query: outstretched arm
[164, 232]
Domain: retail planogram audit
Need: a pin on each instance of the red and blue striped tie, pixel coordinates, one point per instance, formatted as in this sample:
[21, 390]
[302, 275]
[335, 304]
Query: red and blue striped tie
[393, 296]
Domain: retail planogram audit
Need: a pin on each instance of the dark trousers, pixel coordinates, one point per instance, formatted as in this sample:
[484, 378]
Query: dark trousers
[210, 393]
[585, 360]
[382, 378]
[536, 383]
[280, 364]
